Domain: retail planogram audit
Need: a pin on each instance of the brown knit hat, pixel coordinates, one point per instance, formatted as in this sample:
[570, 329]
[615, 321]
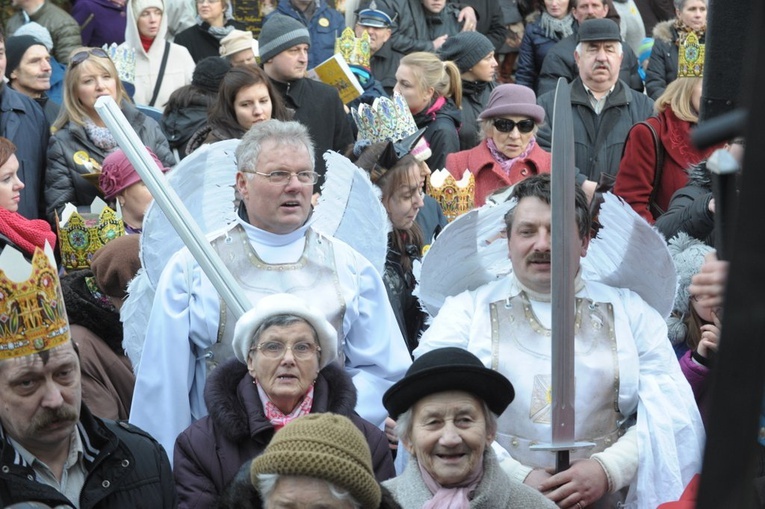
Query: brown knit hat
[116, 264]
[323, 446]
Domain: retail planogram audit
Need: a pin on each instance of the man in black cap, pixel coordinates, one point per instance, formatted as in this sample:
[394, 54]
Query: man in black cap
[604, 108]
[28, 70]
[446, 409]
[23, 122]
[379, 23]
[283, 47]
[560, 62]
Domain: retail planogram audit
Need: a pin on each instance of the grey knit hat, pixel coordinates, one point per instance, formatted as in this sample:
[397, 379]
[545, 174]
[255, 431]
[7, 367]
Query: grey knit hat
[280, 33]
[466, 49]
[15, 47]
[688, 255]
[322, 446]
[37, 31]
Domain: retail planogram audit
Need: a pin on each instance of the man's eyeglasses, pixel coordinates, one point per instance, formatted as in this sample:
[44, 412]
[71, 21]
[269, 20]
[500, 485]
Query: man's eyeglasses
[275, 350]
[81, 56]
[505, 125]
[307, 178]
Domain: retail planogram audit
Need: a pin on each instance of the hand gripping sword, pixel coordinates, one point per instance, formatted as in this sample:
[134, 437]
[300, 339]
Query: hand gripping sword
[563, 273]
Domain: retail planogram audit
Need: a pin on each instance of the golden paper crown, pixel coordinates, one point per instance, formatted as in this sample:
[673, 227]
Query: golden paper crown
[356, 51]
[81, 235]
[32, 313]
[455, 196]
[690, 60]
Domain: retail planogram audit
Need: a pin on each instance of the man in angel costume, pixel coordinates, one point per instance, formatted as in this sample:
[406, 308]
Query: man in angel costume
[271, 248]
[631, 400]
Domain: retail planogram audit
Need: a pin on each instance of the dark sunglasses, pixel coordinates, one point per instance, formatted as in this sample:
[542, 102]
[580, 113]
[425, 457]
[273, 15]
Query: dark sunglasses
[504, 125]
[81, 56]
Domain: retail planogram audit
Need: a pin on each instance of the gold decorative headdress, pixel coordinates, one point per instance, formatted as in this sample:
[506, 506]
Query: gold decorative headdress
[32, 313]
[455, 196]
[81, 235]
[690, 60]
[356, 51]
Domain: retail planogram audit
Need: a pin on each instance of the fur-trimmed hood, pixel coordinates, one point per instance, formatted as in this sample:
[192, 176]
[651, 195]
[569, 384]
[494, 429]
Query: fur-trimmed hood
[665, 31]
[699, 175]
[229, 389]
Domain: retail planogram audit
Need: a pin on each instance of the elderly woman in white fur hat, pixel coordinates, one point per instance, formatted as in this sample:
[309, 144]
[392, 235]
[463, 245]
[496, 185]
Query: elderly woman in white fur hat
[285, 366]
[694, 329]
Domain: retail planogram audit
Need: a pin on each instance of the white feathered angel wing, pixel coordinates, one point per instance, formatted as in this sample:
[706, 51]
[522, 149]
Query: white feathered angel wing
[630, 253]
[471, 251]
[204, 181]
[350, 209]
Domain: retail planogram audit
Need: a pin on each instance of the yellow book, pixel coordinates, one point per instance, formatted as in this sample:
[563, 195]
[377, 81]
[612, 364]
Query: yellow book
[335, 72]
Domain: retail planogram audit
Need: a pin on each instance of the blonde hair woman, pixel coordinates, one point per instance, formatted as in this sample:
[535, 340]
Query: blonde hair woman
[433, 91]
[80, 140]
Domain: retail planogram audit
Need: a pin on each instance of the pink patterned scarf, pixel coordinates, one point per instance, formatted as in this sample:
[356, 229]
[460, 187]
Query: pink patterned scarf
[279, 418]
[457, 497]
[505, 162]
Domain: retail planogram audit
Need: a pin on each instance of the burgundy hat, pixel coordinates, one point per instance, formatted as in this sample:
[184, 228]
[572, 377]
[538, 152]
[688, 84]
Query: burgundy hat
[513, 100]
[118, 174]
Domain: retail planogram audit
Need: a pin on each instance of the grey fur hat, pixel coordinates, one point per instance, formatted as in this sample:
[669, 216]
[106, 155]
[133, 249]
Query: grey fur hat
[688, 254]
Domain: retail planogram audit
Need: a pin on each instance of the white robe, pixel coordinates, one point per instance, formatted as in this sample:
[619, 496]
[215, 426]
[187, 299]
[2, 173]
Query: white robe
[170, 381]
[665, 446]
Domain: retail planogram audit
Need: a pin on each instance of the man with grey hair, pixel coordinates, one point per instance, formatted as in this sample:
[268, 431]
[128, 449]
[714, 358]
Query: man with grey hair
[604, 108]
[560, 61]
[271, 248]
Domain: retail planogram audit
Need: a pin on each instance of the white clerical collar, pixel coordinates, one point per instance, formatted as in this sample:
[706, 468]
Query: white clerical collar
[265, 238]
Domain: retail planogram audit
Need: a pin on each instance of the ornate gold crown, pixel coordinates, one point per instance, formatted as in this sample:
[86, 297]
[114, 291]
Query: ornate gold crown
[32, 313]
[455, 196]
[81, 235]
[389, 120]
[356, 51]
[690, 61]
[124, 60]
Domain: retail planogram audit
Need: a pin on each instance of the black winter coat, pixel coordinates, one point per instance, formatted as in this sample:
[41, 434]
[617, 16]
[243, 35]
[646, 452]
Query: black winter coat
[209, 453]
[598, 139]
[200, 42]
[475, 96]
[491, 20]
[442, 125]
[129, 470]
[70, 149]
[318, 107]
[560, 63]
[400, 285]
[534, 48]
[384, 65]
[180, 124]
[688, 209]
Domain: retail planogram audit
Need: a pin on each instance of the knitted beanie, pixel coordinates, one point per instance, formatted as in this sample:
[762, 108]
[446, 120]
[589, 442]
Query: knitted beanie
[323, 446]
[116, 264]
[37, 31]
[209, 72]
[15, 47]
[280, 33]
[466, 49]
[688, 255]
[141, 5]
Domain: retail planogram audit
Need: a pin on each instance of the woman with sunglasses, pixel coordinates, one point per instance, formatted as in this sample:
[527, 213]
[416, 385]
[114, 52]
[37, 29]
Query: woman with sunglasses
[81, 140]
[245, 97]
[509, 152]
[214, 22]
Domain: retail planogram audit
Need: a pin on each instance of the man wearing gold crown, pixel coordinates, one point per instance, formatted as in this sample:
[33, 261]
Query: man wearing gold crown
[52, 449]
[271, 248]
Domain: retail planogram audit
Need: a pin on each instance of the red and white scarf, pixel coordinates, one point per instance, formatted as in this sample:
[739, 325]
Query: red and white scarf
[279, 418]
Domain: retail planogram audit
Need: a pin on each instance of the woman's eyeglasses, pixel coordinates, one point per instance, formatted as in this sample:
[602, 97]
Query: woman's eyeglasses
[505, 125]
[81, 56]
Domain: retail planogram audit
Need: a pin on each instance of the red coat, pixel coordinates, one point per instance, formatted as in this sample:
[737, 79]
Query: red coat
[489, 175]
[634, 182]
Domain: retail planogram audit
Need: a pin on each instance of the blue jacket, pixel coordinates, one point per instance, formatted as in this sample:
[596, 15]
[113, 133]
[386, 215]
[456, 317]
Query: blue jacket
[22, 121]
[56, 92]
[325, 26]
[534, 48]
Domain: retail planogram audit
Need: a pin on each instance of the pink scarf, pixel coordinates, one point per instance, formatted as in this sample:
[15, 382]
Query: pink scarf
[279, 418]
[504, 162]
[457, 497]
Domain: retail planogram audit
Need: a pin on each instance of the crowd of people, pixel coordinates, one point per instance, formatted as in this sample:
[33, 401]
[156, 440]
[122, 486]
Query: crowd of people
[338, 386]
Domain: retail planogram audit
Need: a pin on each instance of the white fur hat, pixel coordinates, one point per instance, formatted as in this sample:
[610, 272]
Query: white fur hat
[284, 304]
